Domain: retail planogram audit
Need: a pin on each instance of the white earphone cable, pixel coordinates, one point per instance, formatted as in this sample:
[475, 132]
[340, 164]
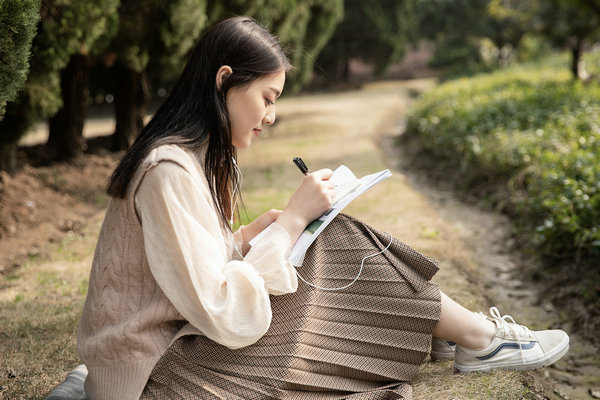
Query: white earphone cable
[235, 193]
[357, 276]
[234, 199]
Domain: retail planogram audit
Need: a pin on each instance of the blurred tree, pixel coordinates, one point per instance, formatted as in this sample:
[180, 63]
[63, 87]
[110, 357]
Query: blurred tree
[572, 23]
[594, 5]
[153, 39]
[59, 35]
[303, 27]
[18, 24]
[455, 27]
[507, 22]
[376, 32]
[92, 25]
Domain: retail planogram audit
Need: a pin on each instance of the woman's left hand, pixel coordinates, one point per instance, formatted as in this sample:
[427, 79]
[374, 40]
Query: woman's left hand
[257, 226]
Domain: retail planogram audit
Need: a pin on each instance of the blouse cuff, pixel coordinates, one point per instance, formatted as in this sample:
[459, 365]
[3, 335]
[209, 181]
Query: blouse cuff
[269, 255]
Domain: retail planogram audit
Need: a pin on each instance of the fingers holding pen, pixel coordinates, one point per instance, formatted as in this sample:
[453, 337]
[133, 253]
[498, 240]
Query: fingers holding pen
[324, 188]
[313, 197]
[322, 174]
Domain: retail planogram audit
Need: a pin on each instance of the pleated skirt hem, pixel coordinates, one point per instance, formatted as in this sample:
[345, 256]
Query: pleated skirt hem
[365, 342]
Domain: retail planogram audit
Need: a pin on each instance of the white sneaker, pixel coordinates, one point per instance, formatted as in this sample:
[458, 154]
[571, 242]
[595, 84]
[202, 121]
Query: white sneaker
[514, 347]
[441, 349]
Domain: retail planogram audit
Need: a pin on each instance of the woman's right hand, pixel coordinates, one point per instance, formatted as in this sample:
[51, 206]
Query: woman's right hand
[313, 197]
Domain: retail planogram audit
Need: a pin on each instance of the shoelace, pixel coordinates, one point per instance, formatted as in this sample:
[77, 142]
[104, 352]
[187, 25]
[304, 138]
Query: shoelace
[508, 322]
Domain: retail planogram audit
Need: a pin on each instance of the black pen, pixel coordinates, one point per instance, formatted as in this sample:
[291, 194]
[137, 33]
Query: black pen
[301, 166]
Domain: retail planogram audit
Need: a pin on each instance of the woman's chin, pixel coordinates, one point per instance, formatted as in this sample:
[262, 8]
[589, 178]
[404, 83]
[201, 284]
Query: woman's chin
[245, 141]
[242, 145]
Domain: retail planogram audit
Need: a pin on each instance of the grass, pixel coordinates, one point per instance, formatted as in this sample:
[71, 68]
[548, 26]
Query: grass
[40, 306]
[494, 385]
[41, 302]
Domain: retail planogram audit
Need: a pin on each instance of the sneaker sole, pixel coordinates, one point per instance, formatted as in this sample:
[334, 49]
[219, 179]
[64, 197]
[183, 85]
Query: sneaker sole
[442, 356]
[549, 359]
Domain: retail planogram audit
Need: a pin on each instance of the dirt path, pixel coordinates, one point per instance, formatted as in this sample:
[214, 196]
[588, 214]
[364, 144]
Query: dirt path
[42, 291]
[486, 239]
[488, 242]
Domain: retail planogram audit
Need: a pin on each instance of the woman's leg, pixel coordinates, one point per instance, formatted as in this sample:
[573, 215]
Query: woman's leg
[461, 326]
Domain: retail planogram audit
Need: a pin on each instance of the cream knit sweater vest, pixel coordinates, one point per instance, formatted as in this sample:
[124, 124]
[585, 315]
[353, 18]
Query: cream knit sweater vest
[127, 322]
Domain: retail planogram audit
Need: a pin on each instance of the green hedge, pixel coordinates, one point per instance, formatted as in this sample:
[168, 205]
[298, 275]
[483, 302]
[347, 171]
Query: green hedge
[534, 129]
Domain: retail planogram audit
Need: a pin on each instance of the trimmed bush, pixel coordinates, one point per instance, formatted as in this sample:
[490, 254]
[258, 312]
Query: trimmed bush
[534, 130]
[18, 22]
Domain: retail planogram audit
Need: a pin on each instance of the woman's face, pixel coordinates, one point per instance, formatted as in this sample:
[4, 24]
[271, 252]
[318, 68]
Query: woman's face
[252, 106]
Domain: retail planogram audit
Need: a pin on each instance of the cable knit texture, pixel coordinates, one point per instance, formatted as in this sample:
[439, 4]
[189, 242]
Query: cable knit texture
[165, 267]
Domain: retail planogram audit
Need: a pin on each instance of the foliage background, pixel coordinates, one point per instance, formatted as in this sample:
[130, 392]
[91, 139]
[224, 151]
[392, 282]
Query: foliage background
[526, 140]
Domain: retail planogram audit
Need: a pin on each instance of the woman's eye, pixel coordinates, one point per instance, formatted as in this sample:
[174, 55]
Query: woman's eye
[268, 102]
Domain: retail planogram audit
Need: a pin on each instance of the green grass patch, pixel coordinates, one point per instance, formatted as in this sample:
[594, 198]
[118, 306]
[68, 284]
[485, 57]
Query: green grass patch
[37, 340]
[535, 133]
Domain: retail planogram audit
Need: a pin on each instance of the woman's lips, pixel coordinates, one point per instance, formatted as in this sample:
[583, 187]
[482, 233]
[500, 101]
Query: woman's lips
[257, 131]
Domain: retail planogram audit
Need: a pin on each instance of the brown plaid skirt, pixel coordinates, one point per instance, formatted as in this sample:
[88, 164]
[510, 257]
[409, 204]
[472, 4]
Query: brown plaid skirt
[363, 342]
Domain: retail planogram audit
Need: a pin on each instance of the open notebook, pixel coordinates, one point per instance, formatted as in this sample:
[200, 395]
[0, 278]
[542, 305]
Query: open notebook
[348, 187]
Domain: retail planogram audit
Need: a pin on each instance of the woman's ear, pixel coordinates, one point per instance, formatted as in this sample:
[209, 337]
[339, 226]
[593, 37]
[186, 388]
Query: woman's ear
[222, 75]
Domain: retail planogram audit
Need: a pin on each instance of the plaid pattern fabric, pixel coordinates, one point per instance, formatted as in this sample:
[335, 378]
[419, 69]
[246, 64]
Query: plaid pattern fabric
[365, 342]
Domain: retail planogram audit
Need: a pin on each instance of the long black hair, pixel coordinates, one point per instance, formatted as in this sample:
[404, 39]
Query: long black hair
[196, 113]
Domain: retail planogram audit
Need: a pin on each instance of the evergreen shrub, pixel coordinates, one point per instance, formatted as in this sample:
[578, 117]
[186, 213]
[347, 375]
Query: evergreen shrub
[534, 130]
[18, 22]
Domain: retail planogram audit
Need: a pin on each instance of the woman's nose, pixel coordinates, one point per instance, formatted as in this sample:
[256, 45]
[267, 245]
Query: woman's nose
[269, 117]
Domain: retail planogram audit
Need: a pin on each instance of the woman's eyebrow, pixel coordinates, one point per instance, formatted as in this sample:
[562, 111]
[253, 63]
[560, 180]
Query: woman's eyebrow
[276, 92]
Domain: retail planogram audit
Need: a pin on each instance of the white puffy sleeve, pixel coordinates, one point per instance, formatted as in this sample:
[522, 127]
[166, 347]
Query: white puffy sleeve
[227, 300]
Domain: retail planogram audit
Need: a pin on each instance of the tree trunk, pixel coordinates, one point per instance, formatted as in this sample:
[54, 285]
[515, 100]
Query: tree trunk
[346, 70]
[8, 157]
[131, 97]
[17, 120]
[65, 138]
[577, 63]
[575, 59]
